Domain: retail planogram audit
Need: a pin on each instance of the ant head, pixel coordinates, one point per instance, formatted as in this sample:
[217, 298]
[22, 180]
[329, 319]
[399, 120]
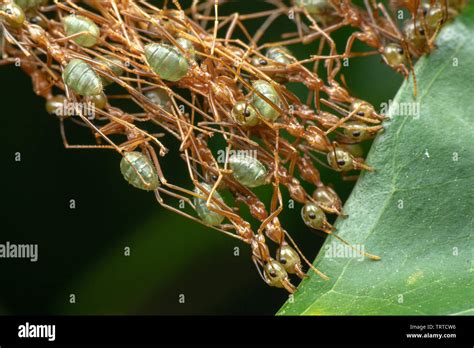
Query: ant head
[362, 108]
[327, 197]
[355, 149]
[357, 131]
[12, 14]
[433, 15]
[280, 54]
[394, 55]
[276, 275]
[340, 160]
[211, 178]
[415, 35]
[259, 61]
[313, 216]
[289, 258]
[245, 114]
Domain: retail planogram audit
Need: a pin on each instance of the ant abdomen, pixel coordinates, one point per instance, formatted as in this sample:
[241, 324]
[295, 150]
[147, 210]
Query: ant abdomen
[248, 170]
[266, 110]
[207, 215]
[166, 61]
[113, 64]
[280, 54]
[160, 98]
[86, 33]
[139, 171]
[81, 78]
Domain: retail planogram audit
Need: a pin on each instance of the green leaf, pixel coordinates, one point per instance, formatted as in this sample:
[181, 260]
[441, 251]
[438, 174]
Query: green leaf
[417, 210]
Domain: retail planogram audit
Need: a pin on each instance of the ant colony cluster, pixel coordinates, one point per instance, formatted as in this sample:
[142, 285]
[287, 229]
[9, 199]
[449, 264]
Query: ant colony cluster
[195, 74]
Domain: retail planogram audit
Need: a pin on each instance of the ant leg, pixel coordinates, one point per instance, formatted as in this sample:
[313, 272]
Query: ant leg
[340, 122]
[359, 164]
[330, 41]
[389, 19]
[93, 127]
[214, 207]
[68, 146]
[350, 42]
[131, 127]
[360, 252]
[310, 265]
[11, 39]
[231, 28]
[299, 27]
[346, 177]
[261, 256]
[175, 210]
[163, 180]
[70, 37]
[261, 30]
[294, 157]
[216, 24]
[275, 212]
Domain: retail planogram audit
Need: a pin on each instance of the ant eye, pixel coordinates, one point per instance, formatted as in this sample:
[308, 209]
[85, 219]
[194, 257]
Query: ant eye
[283, 261]
[8, 11]
[400, 50]
[356, 134]
[360, 113]
[421, 31]
[246, 112]
[273, 274]
[312, 216]
[262, 62]
[341, 162]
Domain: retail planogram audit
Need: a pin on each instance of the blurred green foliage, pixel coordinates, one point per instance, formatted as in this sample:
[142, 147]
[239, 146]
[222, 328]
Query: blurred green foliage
[81, 251]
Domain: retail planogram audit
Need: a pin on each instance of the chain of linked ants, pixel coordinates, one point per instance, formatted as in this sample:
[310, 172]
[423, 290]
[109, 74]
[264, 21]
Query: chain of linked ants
[196, 74]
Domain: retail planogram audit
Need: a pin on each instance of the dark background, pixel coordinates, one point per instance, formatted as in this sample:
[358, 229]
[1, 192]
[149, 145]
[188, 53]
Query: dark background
[81, 251]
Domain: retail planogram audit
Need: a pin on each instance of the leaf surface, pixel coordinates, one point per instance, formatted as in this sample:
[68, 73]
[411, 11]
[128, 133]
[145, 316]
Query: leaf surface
[416, 210]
